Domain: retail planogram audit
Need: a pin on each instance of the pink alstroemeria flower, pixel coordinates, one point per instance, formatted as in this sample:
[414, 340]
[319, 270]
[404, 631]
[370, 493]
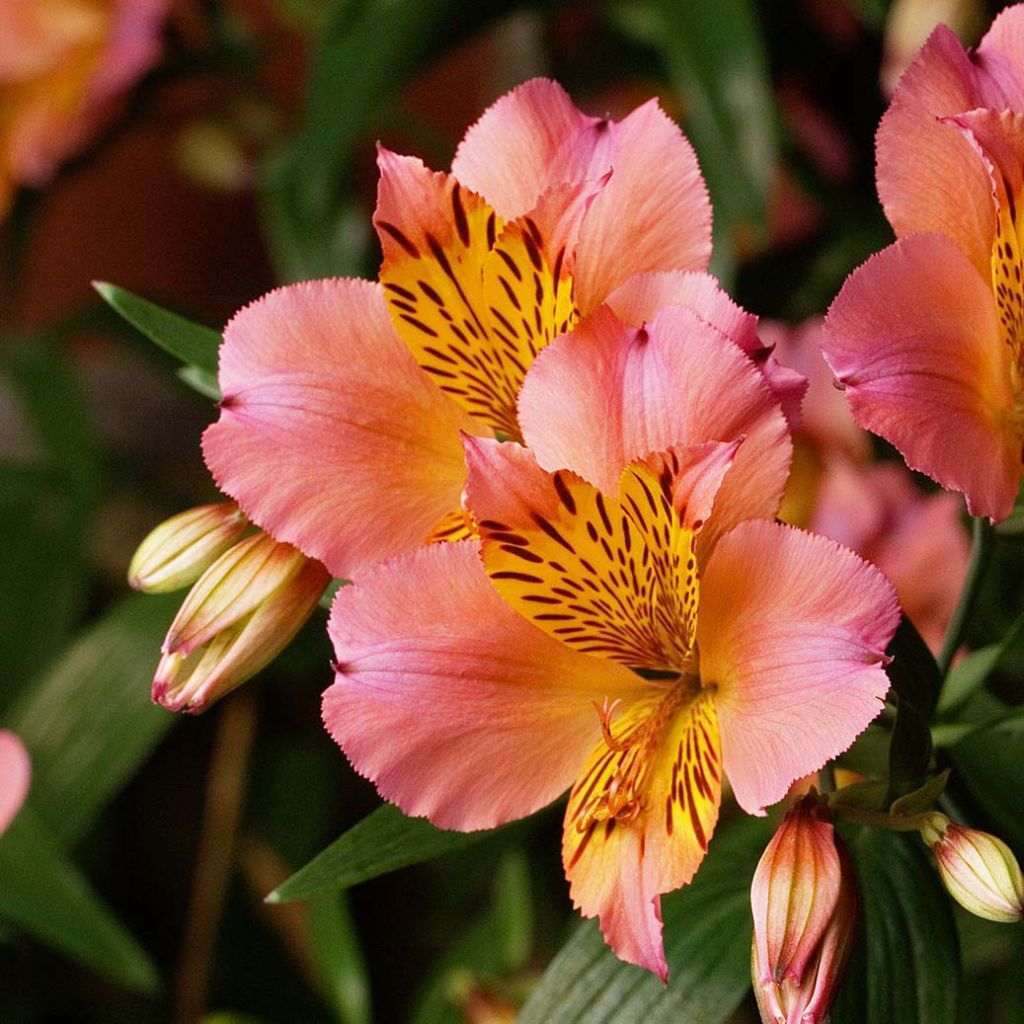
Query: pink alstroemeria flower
[928, 335]
[623, 628]
[64, 65]
[344, 400]
[873, 508]
[15, 775]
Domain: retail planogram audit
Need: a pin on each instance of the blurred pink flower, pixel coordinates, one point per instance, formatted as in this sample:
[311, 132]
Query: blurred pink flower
[873, 508]
[927, 336]
[64, 65]
[15, 775]
[476, 682]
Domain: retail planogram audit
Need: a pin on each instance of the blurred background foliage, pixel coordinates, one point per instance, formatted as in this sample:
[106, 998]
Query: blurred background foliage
[132, 887]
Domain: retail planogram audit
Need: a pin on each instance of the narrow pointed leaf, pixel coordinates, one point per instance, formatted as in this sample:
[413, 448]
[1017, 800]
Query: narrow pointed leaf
[190, 342]
[89, 722]
[339, 959]
[43, 894]
[384, 841]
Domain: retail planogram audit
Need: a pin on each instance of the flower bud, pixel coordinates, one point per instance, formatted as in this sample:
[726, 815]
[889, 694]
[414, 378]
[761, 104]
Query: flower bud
[182, 548]
[15, 774]
[804, 900]
[978, 870]
[242, 612]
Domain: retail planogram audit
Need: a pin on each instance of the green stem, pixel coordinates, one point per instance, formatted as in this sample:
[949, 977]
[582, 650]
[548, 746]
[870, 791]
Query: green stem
[881, 819]
[981, 550]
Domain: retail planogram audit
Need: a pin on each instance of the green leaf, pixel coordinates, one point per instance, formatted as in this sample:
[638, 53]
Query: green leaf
[339, 959]
[89, 722]
[383, 841]
[513, 910]
[43, 893]
[989, 765]
[188, 341]
[967, 675]
[907, 970]
[915, 679]
[367, 51]
[48, 500]
[707, 942]
[715, 56]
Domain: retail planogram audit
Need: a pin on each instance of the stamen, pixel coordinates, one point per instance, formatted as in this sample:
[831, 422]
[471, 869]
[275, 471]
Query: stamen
[604, 713]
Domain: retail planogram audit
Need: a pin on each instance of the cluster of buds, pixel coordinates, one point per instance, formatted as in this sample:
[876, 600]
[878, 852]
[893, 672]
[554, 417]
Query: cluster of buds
[804, 900]
[250, 595]
[978, 870]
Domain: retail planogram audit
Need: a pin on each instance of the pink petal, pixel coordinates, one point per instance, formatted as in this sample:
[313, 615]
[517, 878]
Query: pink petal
[792, 632]
[510, 156]
[914, 338]
[654, 213]
[607, 394]
[15, 775]
[643, 295]
[1005, 39]
[452, 703]
[929, 177]
[330, 437]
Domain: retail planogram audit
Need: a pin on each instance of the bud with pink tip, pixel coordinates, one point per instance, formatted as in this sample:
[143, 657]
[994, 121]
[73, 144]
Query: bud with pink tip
[804, 900]
[15, 775]
[978, 870]
[241, 613]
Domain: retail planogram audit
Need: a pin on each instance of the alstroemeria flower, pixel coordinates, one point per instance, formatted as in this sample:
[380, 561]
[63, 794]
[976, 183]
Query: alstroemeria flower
[344, 400]
[64, 64]
[15, 775]
[611, 636]
[928, 336]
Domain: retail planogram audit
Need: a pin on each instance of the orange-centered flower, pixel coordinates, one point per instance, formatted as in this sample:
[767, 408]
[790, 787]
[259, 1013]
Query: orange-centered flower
[636, 639]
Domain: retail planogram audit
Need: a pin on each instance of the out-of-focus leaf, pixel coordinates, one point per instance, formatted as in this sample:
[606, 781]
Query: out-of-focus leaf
[339, 959]
[915, 679]
[47, 502]
[707, 942]
[43, 893]
[513, 910]
[384, 841]
[89, 722]
[367, 51]
[190, 342]
[202, 381]
[989, 763]
[907, 970]
[973, 670]
[716, 58]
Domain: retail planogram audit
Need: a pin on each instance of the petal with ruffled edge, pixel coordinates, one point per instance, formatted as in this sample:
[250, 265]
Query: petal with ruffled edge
[666, 786]
[15, 775]
[330, 437]
[913, 337]
[792, 633]
[654, 214]
[928, 179]
[643, 295]
[607, 394]
[451, 702]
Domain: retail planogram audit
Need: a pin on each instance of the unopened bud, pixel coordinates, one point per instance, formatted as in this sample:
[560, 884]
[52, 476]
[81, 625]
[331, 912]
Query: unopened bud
[182, 548]
[15, 774]
[242, 612]
[978, 870]
[804, 900]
